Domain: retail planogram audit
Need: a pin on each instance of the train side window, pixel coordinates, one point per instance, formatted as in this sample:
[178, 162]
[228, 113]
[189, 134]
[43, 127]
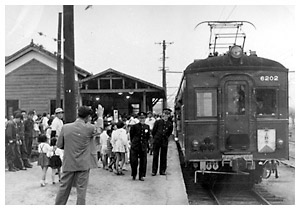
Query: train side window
[266, 102]
[206, 103]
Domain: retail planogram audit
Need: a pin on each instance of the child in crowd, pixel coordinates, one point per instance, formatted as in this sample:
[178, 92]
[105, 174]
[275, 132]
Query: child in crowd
[56, 156]
[119, 141]
[103, 144]
[43, 159]
[48, 129]
[110, 154]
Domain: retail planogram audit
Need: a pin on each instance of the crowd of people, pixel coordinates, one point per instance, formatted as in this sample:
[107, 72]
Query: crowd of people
[27, 131]
[72, 149]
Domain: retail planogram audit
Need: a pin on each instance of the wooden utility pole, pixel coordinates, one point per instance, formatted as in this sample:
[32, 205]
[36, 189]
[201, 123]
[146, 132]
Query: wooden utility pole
[58, 82]
[69, 64]
[164, 82]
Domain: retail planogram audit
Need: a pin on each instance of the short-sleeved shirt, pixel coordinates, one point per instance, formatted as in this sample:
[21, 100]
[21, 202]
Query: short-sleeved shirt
[57, 125]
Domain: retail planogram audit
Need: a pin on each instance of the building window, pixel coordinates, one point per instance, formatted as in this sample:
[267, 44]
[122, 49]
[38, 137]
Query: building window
[236, 99]
[117, 84]
[266, 102]
[129, 84]
[11, 107]
[206, 101]
[104, 84]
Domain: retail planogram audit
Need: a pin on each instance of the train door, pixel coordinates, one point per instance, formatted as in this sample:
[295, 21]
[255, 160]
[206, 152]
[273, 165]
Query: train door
[237, 112]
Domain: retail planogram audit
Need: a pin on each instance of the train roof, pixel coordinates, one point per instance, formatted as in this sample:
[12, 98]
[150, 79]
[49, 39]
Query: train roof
[225, 62]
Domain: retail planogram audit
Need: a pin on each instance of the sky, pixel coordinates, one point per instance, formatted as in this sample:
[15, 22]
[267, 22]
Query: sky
[126, 37]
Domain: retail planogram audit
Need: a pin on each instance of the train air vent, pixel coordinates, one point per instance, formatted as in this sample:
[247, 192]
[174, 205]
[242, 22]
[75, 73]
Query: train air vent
[237, 142]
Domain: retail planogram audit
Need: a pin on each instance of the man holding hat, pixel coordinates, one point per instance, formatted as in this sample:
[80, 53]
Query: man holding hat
[57, 122]
[162, 129]
[139, 135]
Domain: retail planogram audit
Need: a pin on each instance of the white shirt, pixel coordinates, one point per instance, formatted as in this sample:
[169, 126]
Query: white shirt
[57, 125]
[44, 147]
[150, 121]
[58, 152]
[45, 122]
[119, 140]
[103, 141]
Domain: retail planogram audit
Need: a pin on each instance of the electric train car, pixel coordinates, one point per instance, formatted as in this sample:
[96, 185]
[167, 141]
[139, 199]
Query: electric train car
[231, 114]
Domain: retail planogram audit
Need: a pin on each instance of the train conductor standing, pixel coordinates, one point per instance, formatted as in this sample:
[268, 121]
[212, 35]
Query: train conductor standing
[139, 136]
[162, 129]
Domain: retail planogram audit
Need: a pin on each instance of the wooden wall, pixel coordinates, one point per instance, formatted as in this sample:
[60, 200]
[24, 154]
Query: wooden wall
[34, 85]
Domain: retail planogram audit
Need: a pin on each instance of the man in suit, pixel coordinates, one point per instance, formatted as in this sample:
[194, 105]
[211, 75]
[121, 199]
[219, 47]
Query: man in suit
[76, 139]
[139, 136]
[162, 129]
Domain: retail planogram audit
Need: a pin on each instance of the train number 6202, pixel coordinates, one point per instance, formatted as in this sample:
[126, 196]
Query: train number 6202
[269, 78]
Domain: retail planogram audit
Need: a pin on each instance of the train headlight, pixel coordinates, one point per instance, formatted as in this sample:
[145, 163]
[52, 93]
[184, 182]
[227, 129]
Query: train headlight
[236, 51]
[280, 143]
[195, 145]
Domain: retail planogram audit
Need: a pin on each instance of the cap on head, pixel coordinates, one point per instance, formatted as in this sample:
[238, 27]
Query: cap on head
[18, 115]
[59, 110]
[107, 123]
[142, 115]
[31, 112]
[167, 111]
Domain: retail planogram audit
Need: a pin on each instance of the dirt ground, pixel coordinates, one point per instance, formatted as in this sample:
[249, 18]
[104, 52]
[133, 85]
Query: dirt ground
[105, 188]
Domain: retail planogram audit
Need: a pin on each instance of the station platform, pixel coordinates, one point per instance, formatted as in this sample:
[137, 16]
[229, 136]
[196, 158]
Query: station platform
[105, 188]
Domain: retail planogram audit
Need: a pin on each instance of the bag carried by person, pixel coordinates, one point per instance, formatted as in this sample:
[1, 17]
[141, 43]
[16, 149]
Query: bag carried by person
[55, 161]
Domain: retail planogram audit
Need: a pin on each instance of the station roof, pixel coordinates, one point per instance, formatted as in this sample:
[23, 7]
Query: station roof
[32, 47]
[111, 73]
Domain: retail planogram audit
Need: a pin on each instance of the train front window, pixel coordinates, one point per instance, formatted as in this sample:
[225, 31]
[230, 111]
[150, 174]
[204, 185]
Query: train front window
[265, 102]
[206, 103]
[236, 99]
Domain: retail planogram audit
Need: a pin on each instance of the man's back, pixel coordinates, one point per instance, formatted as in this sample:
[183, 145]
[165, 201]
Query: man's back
[75, 139]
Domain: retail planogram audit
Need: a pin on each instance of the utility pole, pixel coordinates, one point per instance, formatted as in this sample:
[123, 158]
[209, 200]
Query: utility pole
[58, 82]
[69, 64]
[164, 83]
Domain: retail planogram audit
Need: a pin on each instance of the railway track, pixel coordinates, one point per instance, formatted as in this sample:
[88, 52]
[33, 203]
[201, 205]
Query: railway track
[226, 194]
[238, 197]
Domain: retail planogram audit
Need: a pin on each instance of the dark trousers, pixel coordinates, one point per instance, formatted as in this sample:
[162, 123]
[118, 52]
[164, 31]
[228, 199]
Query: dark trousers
[77, 178]
[28, 145]
[159, 152]
[10, 154]
[138, 158]
[18, 162]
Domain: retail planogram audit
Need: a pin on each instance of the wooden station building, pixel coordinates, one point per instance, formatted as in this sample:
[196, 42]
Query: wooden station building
[31, 78]
[118, 91]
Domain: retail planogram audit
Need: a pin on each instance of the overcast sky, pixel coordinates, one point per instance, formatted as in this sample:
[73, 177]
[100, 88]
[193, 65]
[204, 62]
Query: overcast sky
[123, 37]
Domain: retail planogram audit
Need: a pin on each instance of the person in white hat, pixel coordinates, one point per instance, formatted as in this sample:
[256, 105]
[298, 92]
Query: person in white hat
[57, 122]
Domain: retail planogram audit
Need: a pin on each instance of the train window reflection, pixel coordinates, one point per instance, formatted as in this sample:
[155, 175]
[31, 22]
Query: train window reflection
[206, 103]
[236, 100]
[265, 102]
